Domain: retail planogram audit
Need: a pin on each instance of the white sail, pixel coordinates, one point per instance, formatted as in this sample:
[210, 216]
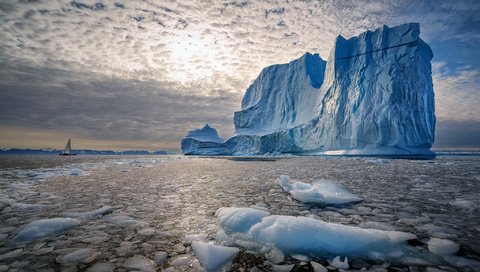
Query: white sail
[68, 147]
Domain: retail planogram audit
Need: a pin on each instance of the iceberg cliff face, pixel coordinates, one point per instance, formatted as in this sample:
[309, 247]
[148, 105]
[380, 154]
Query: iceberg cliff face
[374, 97]
[283, 96]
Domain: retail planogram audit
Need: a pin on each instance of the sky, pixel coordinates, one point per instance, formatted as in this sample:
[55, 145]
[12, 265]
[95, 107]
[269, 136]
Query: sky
[140, 74]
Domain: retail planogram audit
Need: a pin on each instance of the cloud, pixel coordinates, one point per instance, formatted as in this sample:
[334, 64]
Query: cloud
[135, 39]
[109, 108]
[460, 134]
[456, 93]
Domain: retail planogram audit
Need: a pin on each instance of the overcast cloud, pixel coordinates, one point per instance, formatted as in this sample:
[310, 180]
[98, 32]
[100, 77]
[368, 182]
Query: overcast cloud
[140, 74]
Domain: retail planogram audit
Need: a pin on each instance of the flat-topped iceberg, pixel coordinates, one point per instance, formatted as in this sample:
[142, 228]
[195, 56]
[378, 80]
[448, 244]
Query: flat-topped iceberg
[374, 96]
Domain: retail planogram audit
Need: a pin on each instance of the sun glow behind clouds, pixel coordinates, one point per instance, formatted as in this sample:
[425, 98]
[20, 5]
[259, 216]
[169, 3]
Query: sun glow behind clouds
[195, 57]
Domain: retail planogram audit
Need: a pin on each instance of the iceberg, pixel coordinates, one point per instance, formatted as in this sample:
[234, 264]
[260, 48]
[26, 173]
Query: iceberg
[373, 96]
[203, 141]
[282, 97]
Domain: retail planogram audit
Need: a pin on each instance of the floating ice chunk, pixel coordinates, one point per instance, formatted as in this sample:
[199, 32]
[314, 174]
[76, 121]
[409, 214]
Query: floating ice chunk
[139, 263]
[463, 204]
[213, 257]
[90, 214]
[322, 192]
[442, 246]
[11, 254]
[312, 237]
[101, 267]
[339, 264]
[125, 248]
[178, 248]
[318, 267]
[147, 231]
[283, 268]
[74, 172]
[4, 199]
[122, 220]
[182, 261]
[239, 219]
[437, 231]
[462, 262]
[82, 255]
[447, 250]
[276, 256]
[160, 257]
[27, 207]
[189, 238]
[300, 257]
[45, 227]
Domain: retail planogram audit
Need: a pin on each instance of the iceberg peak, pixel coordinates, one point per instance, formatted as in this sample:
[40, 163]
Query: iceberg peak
[206, 133]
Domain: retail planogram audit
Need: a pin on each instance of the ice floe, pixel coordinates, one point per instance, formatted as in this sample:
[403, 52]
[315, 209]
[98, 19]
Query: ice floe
[101, 267]
[82, 255]
[122, 220]
[283, 268]
[212, 257]
[140, 263]
[318, 267]
[312, 237]
[442, 246]
[336, 262]
[463, 204]
[89, 214]
[42, 228]
[322, 192]
[11, 254]
[447, 249]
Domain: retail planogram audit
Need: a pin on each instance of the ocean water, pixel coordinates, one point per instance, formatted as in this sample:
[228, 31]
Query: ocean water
[127, 213]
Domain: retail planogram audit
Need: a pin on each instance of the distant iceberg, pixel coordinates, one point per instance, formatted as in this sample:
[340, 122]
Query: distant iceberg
[203, 141]
[374, 96]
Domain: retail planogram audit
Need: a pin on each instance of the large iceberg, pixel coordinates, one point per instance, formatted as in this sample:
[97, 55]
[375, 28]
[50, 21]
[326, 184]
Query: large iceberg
[374, 96]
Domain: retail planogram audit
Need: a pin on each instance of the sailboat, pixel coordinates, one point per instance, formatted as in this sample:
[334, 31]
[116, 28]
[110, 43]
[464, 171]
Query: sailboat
[68, 149]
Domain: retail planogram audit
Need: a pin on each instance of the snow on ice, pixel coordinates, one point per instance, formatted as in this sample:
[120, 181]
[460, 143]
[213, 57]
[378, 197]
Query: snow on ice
[312, 237]
[321, 192]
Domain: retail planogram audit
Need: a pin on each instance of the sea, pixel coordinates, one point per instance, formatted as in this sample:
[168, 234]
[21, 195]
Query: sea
[142, 213]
